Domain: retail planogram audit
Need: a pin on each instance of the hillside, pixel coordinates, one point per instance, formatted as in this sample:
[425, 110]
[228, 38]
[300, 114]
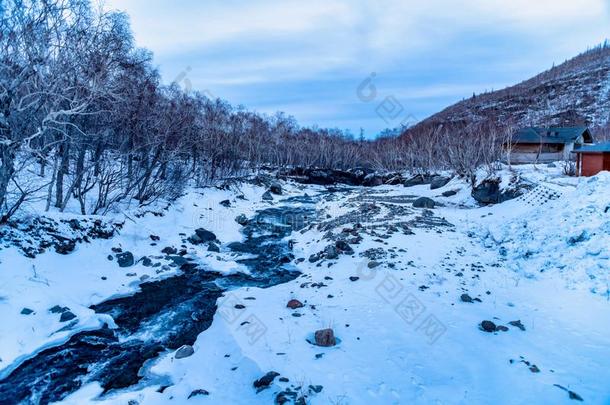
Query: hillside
[575, 92]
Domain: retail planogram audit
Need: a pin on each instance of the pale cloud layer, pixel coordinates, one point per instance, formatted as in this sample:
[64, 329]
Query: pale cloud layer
[307, 58]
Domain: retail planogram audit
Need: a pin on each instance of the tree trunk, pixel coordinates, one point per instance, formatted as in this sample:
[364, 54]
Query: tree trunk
[7, 170]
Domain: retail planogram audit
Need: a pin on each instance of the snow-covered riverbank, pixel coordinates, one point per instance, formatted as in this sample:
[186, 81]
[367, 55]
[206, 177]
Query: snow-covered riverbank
[406, 305]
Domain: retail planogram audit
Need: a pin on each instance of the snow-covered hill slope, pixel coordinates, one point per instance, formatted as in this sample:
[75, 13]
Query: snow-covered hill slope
[575, 92]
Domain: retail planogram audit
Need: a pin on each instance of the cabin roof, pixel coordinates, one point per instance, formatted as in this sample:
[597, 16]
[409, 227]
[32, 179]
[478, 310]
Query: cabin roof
[552, 135]
[601, 147]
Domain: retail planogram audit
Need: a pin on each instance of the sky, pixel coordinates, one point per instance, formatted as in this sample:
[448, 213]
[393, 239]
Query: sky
[356, 64]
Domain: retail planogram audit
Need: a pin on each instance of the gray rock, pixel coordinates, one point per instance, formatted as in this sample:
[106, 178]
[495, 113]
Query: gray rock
[66, 316]
[449, 193]
[330, 252]
[184, 351]
[267, 196]
[372, 180]
[275, 188]
[178, 260]
[212, 247]
[198, 392]
[488, 326]
[439, 181]
[344, 247]
[225, 203]
[488, 192]
[27, 311]
[241, 219]
[424, 202]
[517, 324]
[205, 235]
[466, 298]
[125, 259]
[265, 380]
[372, 264]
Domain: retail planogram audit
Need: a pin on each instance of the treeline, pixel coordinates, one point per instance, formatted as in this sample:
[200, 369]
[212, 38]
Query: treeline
[84, 117]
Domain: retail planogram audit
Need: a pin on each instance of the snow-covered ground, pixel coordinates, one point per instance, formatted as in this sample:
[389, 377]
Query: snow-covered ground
[397, 304]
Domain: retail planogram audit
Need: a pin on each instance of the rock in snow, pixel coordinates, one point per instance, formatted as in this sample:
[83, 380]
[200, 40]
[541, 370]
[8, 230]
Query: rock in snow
[265, 380]
[424, 202]
[294, 304]
[184, 351]
[325, 337]
[125, 259]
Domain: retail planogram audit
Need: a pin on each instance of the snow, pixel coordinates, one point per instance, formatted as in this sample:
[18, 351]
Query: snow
[517, 257]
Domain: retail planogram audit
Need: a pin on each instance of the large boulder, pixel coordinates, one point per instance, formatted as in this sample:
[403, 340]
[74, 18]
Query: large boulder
[489, 192]
[205, 235]
[439, 181]
[418, 180]
[372, 180]
[424, 202]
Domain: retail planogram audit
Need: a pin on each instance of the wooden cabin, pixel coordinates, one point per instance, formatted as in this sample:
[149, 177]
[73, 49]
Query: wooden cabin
[544, 145]
[592, 159]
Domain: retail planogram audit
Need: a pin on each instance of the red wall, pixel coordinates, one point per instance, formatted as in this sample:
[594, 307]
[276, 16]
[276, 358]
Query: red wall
[592, 163]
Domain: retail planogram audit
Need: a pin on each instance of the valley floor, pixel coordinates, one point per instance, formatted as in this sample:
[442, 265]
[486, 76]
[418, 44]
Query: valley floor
[406, 305]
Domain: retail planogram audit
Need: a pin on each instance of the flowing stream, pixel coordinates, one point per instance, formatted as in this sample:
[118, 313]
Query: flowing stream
[161, 317]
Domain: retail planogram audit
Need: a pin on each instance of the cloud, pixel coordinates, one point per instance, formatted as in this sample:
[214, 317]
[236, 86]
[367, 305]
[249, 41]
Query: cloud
[429, 53]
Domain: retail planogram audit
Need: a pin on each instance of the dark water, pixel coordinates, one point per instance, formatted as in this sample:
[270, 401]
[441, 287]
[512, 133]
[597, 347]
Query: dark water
[163, 316]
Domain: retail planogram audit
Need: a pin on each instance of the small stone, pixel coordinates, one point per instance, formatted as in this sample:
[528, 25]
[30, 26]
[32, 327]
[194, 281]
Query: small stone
[501, 328]
[225, 203]
[184, 351]
[265, 380]
[354, 278]
[66, 316]
[58, 310]
[488, 326]
[294, 304]
[125, 259]
[241, 219]
[534, 368]
[372, 264]
[275, 188]
[169, 250]
[212, 247]
[27, 311]
[198, 392]
[325, 337]
[466, 298]
[449, 193]
[517, 324]
[315, 388]
[154, 237]
[267, 196]
[240, 306]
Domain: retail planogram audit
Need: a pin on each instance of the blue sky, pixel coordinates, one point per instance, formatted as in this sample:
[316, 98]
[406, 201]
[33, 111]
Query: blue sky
[308, 58]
